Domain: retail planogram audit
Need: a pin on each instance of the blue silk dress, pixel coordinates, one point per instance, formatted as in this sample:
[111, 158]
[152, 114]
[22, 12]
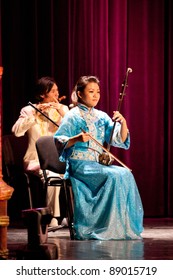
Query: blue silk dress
[107, 204]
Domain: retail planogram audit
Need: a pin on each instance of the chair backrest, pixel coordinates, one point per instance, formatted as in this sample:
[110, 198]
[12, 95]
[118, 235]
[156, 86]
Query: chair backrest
[13, 151]
[48, 155]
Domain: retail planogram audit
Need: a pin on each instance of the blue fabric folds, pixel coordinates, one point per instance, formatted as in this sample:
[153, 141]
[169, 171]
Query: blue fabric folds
[107, 204]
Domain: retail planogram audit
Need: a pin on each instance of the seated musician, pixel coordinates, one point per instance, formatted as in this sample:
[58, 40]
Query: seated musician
[36, 125]
[107, 204]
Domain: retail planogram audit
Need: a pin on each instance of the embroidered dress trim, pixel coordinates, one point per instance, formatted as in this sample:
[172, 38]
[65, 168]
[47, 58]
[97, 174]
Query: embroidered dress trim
[90, 154]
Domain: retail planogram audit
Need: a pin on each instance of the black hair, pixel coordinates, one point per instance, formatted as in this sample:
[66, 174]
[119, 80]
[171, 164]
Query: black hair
[80, 86]
[43, 86]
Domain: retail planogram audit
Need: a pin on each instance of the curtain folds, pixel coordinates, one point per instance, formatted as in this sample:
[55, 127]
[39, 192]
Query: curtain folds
[70, 38]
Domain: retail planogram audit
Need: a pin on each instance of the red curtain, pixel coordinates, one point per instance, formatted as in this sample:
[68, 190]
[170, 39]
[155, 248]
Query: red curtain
[70, 38]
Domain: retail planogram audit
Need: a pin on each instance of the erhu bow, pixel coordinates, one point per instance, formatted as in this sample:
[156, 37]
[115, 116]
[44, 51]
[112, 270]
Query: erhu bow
[110, 155]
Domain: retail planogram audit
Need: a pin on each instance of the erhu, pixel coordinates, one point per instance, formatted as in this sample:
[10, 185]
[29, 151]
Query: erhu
[105, 158]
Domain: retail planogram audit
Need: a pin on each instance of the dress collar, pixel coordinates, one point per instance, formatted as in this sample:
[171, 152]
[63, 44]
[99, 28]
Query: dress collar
[85, 108]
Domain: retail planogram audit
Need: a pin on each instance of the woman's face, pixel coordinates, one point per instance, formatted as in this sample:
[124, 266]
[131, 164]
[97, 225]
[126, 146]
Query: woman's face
[91, 95]
[51, 95]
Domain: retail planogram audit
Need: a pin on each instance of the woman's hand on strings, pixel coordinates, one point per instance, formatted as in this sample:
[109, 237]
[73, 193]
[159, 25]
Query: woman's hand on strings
[118, 117]
[124, 130]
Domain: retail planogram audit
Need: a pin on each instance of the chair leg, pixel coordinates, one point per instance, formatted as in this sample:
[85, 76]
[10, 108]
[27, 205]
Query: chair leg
[69, 206]
[30, 197]
[29, 192]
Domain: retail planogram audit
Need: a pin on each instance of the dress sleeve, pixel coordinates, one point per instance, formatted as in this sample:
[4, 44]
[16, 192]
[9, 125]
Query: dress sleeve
[117, 141]
[116, 138]
[70, 126]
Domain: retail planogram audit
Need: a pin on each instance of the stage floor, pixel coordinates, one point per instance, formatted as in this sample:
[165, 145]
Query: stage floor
[157, 244]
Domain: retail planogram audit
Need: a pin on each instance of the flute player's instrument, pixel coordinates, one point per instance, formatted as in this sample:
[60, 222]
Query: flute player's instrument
[61, 98]
[29, 103]
[56, 100]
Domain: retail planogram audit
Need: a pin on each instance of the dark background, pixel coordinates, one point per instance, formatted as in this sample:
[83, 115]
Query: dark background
[69, 38]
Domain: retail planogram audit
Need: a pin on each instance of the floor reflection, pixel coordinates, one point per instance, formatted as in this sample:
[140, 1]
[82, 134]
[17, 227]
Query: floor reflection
[157, 244]
[99, 250]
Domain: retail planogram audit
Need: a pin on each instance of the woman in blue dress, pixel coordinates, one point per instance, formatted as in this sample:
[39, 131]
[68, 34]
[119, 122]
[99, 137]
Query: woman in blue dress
[107, 204]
